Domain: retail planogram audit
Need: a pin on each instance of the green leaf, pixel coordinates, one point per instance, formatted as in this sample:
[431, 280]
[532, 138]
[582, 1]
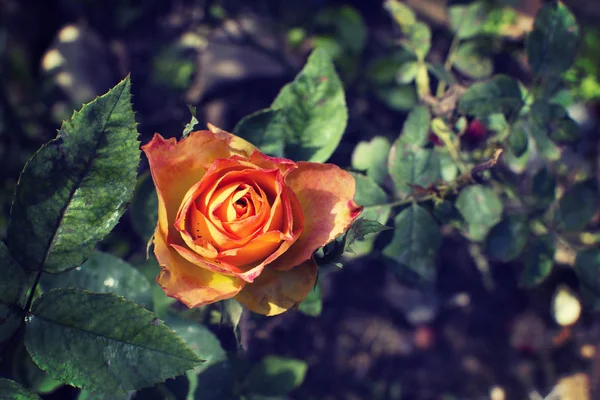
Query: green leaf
[401, 98]
[539, 259]
[370, 195]
[361, 228]
[518, 141]
[552, 45]
[407, 72]
[415, 131]
[11, 390]
[481, 208]
[543, 188]
[13, 285]
[144, 207]
[587, 268]
[441, 73]
[312, 110]
[551, 121]
[189, 127]
[73, 191]
[577, 206]
[418, 40]
[263, 129]
[499, 94]
[415, 242]
[313, 303]
[403, 15]
[469, 61]
[276, 376]
[89, 395]
[232, 313]
[214, 379]
[412, 166]
[507, 239]
[113, 344]
[371, 157]
[104, 273]
[348, 24]
[466, 20]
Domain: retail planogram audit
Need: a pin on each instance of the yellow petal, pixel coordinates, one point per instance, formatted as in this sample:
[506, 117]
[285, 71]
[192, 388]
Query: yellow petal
[274, 292]
[188, 283]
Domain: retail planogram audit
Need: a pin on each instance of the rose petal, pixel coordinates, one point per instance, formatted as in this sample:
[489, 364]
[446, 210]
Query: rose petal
[274, 292]
[188, 283]
[326, 195]
[176, 166]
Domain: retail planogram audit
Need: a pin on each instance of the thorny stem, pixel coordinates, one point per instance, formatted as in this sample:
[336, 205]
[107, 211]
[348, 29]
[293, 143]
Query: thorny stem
[441, 191]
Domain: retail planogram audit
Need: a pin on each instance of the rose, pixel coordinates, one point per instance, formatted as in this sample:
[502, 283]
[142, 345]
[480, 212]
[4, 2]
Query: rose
[233, 222]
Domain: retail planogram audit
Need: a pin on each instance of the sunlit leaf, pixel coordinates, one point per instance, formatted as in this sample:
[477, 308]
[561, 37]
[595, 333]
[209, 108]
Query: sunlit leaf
[470, 61]
[371, 157]
[313, 303]
[312, 110]
[73, 191]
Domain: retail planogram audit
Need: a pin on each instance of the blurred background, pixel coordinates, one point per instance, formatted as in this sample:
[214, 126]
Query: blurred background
[473, 335]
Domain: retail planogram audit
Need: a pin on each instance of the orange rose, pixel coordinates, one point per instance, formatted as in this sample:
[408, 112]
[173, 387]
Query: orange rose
[235, 222]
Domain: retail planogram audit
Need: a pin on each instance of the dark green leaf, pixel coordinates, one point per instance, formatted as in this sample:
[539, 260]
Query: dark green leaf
[73, 191]
[371, 157]
[415, 242]
[189, 127]
[408, 165]
[507, 239]
[539, 259]
[543, 188]
[499, 94]
[577, 206]
[13, 285]
[401, 98]
[88, 395]
[104, 273]
[361, 228]
[551, 121]
[470, 61]
[348, 25]
[264, 130]
[11, 390]
[518, 141]
[552, 45]
[31, 376]
[276, 376]
[441, 73]
[10, 320]
[587, 267]
[312, 110]
[113, 345]
[313, 303]
[481, 208]
[144, 207]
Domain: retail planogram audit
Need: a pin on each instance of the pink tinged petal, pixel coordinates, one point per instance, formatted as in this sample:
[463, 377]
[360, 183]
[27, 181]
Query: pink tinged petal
[326, 194]
[274, 292]
[188, 283]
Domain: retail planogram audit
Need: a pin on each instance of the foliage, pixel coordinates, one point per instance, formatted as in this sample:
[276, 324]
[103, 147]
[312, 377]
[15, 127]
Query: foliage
[481, 157]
